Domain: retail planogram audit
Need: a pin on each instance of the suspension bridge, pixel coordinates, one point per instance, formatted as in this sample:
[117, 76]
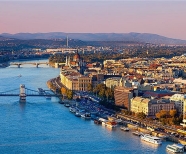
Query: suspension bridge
[23, 92]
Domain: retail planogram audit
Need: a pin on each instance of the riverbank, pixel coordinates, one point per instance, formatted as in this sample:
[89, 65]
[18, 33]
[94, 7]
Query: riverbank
[155, 129]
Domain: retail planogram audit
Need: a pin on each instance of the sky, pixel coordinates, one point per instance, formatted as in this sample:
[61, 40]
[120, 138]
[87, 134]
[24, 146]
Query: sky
[166, 18]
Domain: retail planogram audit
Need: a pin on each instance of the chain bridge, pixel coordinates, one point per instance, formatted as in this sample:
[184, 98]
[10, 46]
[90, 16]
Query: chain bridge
[23, 92]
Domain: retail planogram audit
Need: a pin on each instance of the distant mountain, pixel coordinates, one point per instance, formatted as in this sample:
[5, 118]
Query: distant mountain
[133, 37]
[2, 38]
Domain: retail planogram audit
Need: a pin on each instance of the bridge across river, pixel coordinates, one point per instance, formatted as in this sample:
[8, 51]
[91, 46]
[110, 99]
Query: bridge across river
[31, 63]
[23, 92]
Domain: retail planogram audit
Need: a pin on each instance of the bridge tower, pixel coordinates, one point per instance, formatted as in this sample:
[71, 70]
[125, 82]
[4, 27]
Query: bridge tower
[22, 95]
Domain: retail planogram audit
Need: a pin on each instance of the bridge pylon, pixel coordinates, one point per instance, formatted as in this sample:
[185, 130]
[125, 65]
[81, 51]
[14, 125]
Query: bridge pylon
[22, 95]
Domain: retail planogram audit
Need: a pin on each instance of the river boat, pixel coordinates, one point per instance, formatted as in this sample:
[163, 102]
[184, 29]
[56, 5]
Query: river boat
[77, 114]
[151, 139]
[86, 115]
[111, 124]
[98, 122]
[71, 109]
[61, 102]
[103, 121]
[67, 105]
[124, 128]
[136, 133]
[175, 148]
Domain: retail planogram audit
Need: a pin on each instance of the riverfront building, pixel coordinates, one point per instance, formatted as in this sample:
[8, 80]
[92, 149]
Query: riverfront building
[123, 96]
[73, 80]
[150, 106]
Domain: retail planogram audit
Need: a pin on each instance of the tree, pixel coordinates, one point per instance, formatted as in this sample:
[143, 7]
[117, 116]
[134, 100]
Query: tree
[89, 87]
[162, 114]
[63, 91]
[158, 115]
[69, 94]
[173, 113]
[102, 93]
[108, 93]
[141, 115]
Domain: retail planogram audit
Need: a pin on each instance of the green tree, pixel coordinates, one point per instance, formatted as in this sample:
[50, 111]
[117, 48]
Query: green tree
[89, 87]
[63, 91]
[172, 113]
[69, 94]
[141, 115]
[108, 93]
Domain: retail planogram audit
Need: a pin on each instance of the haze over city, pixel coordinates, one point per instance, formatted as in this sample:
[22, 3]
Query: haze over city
[166, 18]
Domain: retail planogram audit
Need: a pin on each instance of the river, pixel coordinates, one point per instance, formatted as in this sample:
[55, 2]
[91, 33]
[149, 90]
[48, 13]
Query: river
[45, 126]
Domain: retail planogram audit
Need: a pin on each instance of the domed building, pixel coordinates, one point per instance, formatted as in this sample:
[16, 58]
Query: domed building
[76, 57]
[77, 63]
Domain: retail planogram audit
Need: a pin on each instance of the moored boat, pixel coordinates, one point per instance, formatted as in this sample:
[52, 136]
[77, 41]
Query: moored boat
[151, 139]
[111, 124]
[61, 102]
[86, 115]
[77, 114]
[67, 105]
[137, 133]
[175, 148]
[98, 122]
[71, 109]
[124, 128]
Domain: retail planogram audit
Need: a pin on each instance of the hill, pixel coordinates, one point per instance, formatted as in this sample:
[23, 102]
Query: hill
[126, 37]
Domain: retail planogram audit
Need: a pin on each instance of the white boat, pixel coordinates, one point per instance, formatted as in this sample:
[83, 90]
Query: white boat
[151, 139]
[77, 114]
[175, 148]
[124, 128]
[71, 109]
[67, 105]
[137, 133]
[86, 115]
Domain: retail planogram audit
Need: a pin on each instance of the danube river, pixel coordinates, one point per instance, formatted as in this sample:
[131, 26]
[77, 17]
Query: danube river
[45, 126]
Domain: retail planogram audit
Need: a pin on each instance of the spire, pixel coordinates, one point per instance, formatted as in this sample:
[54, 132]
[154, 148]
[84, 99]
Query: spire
[66, 63]
[69, 61]
[67, 41]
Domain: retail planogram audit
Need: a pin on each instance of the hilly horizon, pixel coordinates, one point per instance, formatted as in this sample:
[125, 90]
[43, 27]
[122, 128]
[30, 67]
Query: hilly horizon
[133, 37]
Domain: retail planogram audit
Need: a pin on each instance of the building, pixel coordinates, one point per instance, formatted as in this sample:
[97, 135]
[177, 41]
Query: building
[139, 104]
[73, 80]
[179, 100]
[150, 106]
[123, 95]
[112, 82]
[76, 63]
[158, 93]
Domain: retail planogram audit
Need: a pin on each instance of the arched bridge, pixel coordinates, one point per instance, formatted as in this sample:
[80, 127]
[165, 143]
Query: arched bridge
[32, 63]
[23, 92]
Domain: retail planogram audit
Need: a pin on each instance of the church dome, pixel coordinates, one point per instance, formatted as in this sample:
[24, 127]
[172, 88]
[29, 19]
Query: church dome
[76, 57]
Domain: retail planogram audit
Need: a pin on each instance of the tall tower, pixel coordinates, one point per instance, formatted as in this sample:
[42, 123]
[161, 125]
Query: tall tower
[66, 63]
[67, 41]
[22, 95]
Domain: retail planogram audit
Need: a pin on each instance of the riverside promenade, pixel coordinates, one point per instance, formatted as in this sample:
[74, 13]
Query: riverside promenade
[171, 132]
